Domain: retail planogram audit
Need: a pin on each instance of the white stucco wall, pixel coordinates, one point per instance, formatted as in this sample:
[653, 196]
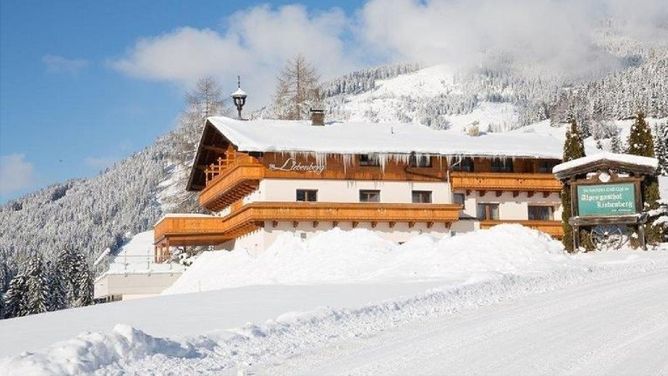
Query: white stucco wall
[511, 208]
[348, 190]
[133, 285]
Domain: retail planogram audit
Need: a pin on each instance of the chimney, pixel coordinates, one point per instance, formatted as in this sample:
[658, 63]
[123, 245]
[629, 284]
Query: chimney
[317, 117]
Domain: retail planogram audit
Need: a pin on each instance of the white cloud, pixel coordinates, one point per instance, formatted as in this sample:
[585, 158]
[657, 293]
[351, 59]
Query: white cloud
[556, 35]
[15, 173]
[255, 44]
[59, 64]
[552, 35]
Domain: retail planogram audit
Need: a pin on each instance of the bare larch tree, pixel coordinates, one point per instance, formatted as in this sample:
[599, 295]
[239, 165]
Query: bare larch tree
[297, 90]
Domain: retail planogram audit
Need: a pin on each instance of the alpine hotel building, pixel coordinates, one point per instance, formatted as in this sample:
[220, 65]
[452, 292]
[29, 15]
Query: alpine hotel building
[261, 178]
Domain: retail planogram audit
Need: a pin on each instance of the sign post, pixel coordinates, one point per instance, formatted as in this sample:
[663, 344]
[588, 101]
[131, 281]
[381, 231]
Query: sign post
[606, 192]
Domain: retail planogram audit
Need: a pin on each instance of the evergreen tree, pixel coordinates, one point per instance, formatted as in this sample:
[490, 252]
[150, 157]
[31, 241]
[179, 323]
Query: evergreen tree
[15, 297]
[641, 143]
[297, 90]
[76, 278]
[82, 282]
[57, 294]
[616, 144]
[573, 149]
[661, 147]
[37, 288]
[66, 265]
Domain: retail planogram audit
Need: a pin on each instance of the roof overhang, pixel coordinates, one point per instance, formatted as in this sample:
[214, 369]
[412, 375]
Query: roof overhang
[633, 164]
[211, 140]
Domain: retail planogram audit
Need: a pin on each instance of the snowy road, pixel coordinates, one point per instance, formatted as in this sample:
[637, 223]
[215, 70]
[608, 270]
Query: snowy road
[608, 327]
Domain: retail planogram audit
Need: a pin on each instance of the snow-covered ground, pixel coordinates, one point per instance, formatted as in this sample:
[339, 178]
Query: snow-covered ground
[432, 307]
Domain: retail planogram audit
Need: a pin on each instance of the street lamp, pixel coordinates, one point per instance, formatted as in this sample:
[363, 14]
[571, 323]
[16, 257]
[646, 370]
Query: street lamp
[239, 97]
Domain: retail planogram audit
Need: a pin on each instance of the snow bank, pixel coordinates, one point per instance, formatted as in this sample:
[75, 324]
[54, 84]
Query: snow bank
[338, 256]
[91, 351]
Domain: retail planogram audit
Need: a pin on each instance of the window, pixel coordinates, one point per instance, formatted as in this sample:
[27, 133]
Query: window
[419, 161]
[459, 199]
[367, 195]
[465, 165]
[546, 166]
[307, 195]
[422, 197]
[502, 165]
[369, 160]
[488, 211]
[541, 213]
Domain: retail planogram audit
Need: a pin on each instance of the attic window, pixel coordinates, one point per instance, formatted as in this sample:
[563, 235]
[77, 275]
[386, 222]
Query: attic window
[465, 165]
[369, 160]
[546, 166]
[502, 165]
[419, 161]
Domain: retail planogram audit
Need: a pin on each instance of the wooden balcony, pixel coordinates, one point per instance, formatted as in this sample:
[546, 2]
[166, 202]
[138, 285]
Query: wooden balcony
[504, 182]
[188, 230]
[552, 228]
[347, 212]
[230, 182]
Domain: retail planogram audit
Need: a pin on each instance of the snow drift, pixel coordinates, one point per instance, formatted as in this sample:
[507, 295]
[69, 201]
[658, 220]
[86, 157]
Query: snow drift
[91, 351]
[338, 256]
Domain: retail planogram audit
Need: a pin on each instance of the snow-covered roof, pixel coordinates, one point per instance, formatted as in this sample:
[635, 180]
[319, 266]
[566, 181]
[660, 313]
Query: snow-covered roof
[606, 156]
[390, 138]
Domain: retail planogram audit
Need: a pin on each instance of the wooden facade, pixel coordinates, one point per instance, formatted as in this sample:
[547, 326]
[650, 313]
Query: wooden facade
[504, 182]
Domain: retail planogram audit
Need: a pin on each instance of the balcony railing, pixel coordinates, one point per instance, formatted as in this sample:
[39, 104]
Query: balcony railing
[500, 181]
[552, 228]
[230, 180]
[175, 230]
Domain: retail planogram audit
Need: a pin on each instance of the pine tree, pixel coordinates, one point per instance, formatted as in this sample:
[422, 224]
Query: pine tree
[297, 90]
[15, 297]
[37, 288]
[83, 281]
[616, 144]
[573, 149]
[641, 143]
[76, 278]
[661, 147]
[57, 294]
[66, 265]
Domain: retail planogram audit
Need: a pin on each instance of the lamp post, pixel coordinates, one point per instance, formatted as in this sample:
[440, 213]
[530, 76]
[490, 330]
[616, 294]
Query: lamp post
[239, 97]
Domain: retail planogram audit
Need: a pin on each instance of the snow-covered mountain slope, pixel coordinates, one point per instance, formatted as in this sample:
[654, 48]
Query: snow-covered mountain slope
[89, 215]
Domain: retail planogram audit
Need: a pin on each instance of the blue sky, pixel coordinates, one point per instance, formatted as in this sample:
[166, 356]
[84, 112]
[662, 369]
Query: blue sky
[65, 110]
